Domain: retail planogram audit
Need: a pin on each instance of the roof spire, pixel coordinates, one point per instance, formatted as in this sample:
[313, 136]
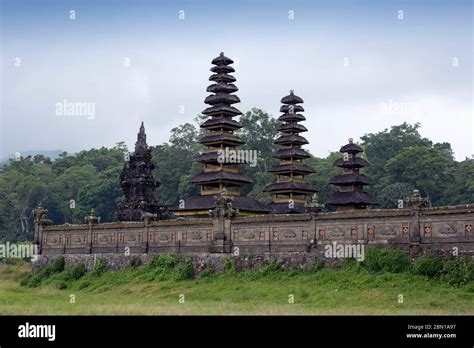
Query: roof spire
[351, 182]
[290, 192]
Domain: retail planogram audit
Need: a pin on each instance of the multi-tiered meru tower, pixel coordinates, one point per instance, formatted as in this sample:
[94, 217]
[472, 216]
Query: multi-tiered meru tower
[291, 192]
[221, 173]
[139, 184]
[351, 183]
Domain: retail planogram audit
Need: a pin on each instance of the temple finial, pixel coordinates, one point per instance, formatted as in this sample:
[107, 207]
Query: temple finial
[351, 140]
[292, 92]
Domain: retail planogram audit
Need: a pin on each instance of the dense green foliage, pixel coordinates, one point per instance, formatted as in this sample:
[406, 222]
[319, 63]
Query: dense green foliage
[429, 265]
[73, 184]
[451, 271]
[386, 260]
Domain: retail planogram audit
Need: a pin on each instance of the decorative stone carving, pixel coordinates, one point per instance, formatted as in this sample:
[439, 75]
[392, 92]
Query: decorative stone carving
[40, 216]
[388, 230]
[370, 231]
[468, 228]
[405, 230]
[248, 235]
[448, 228]
[196, 236]
[92, 218]
[427, 230]
[223, 207]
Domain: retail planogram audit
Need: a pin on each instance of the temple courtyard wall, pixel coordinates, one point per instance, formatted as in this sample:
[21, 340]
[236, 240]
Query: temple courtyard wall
[297, 239]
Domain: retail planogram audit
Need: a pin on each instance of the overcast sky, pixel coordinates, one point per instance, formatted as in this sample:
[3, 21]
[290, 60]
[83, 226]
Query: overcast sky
[360, 66]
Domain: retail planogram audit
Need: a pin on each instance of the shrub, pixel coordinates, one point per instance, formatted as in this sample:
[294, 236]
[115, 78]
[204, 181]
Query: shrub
[41, 274]
[100, 267]
[386, 260]
[167, 261]
[428, 265]
[208, 273]
[172, 266]
[271, 268]
[458, 271]
[58, 265]
[230, 266]
[349, 263]
[184, 271]
[61, 285]
[315, 267]
[74, 272]
[135, 262]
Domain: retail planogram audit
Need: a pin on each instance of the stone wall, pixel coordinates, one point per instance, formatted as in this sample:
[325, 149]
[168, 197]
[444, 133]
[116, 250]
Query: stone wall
[293, 239]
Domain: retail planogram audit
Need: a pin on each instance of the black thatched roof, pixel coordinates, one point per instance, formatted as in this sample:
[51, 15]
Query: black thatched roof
[224, 138]
[351, 197]
[208, 157]
[350, 178]
[222, 78]
[291, 139]
[286, 108]
[291, 118]
[291, 99]
[221, 121]
[355, 162]
[294, 152]
[294, 127]
[291, 185]
[351, 148]
[222, 69]
[219, 176]
[222, 88]
[221, 98]
[208, 202]
[297, 168]
[222, 60]
[222, 109]
[283, 208]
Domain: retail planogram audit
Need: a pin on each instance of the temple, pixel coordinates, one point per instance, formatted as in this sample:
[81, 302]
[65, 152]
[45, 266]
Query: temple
[221, 173]
[351, 183]
[138, 184]
[290, 193]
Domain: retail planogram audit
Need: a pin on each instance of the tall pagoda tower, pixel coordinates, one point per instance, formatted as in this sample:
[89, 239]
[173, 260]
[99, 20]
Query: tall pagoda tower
[138, 184]
[221, 175]
[291, 192]
[351, 183]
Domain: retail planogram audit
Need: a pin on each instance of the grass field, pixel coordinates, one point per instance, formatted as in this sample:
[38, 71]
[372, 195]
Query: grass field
[346, 291]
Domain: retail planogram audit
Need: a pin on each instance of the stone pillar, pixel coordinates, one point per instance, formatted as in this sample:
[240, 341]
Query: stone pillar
[222, 216]
[415, 203]
[40, 220]
[147, 217]
[313, 208]
[91, 220]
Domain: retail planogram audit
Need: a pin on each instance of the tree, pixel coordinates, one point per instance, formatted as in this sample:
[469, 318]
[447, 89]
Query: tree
[391, 194]
[425, 168]
[259, 132]
[174, 161]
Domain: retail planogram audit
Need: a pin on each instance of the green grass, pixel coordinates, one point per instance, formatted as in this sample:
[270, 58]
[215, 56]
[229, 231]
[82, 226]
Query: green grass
[351, 290]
